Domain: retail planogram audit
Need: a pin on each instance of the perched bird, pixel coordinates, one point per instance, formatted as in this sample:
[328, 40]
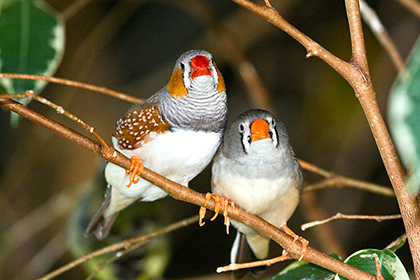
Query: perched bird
[255, 168]
[175, 133]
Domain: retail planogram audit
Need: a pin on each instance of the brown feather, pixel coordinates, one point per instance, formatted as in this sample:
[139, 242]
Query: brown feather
[134, 128]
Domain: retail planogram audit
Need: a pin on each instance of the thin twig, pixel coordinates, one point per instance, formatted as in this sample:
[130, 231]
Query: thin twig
[339, 181]
[125, 244]
[55, 80]
[236, 266]
[396, 242]
[315, 169]
[334, 179]
[60, 110]
[350, 217]
[378, 267]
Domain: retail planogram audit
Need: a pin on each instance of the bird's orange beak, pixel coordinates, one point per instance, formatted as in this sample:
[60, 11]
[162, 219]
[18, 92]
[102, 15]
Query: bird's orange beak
[259, 130]
[200, 66]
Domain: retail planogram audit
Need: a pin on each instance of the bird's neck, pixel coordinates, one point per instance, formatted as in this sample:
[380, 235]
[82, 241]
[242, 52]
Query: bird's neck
[196, 111]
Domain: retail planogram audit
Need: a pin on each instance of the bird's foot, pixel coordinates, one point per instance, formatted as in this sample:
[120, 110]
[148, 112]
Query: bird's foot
[221, 203]
[136, 167]
[302, 240]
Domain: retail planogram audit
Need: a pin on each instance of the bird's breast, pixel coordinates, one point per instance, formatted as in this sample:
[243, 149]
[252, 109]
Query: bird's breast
[178, 155]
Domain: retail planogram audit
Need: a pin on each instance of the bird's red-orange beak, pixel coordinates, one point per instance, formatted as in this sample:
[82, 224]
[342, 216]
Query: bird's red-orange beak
[200, 66]
[259, 130]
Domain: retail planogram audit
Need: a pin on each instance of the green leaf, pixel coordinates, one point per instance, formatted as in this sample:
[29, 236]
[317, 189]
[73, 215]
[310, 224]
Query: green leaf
[391, 266]
[404, 116]
[304, 270]
[32, 42]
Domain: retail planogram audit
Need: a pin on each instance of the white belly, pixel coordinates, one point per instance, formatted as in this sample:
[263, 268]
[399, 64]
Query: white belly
[179, 156]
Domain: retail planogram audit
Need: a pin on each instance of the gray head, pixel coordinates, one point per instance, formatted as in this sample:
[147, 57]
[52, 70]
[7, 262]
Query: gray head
[195, 97]
[195, 71]
[256, 145]
[249, 129]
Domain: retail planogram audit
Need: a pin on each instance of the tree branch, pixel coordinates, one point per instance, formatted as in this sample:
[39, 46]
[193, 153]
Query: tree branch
[185, 194]
[334, 179]
[55, 80]
[350, 217]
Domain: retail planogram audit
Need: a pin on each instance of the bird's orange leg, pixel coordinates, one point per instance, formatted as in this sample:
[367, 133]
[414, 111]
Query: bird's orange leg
[221, 203]
[302, 240]
[136, 167]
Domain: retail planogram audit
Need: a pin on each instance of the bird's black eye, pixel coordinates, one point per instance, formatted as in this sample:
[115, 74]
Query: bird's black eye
[182, 66]
[273, 122]
[241, 128]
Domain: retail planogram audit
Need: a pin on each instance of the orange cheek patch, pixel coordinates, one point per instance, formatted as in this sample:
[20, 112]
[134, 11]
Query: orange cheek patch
[176, 86]
[221, 83]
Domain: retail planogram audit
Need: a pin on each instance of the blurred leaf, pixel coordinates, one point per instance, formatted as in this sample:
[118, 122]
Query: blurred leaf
[32, 42]
[391, 266]
[304, 270]
[404, 114]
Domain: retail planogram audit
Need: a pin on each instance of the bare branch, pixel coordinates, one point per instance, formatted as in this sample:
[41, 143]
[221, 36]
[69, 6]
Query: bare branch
[345, 69]
[236, 266]
[334, 180]
[350, 217]
[378, 268]
[402, 238]
[66, 82]
[339, 181]
[357, 40]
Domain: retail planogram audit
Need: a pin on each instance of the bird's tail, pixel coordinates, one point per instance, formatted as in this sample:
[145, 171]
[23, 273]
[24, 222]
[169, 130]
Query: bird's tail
[99, 225]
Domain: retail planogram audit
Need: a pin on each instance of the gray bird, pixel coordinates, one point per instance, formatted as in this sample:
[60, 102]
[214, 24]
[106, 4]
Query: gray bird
[175, 133]
[256, 168]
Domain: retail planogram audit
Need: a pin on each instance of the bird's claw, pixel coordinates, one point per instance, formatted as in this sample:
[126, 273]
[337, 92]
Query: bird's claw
[136, 167]
[302, 240]
[221, 203]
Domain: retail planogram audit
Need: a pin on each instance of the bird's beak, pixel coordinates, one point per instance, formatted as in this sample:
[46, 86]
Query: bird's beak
[200, 66]
[259, 130]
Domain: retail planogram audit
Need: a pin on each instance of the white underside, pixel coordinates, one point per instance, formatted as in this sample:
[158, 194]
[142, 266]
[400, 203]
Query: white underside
[179, 156]
[273, 199]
